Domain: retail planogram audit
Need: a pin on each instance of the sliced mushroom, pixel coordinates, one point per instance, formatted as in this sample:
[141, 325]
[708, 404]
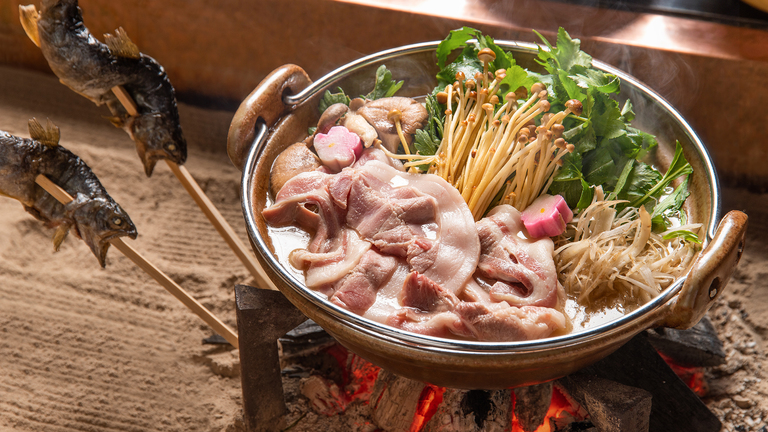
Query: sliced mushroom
[412, 117]
[358, 124]
[294, 160]
[330, 117]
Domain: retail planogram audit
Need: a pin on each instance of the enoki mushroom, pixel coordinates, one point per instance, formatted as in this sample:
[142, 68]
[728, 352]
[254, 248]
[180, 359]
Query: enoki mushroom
[485, 148]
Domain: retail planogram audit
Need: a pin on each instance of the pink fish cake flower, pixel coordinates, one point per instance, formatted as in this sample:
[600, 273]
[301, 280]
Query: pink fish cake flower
[338, 148]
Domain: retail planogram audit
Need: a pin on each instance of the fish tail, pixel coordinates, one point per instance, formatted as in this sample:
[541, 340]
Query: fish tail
[121, 45]
[28, 16]
[48, 135]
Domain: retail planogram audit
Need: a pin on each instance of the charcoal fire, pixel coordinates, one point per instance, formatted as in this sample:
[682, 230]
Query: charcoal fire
[634, 389]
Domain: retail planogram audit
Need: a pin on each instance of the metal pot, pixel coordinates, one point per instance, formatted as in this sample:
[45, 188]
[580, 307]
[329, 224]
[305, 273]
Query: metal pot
[278, 113]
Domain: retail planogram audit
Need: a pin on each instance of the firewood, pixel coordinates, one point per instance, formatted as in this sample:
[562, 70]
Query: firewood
[532, 404]
[695, 347]
[325, 396]
[394, 401]
[612, 407]
[472, 411]
[675, 407]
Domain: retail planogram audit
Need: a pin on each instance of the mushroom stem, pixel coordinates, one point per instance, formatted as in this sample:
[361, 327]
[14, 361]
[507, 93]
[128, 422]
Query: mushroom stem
[402, 137]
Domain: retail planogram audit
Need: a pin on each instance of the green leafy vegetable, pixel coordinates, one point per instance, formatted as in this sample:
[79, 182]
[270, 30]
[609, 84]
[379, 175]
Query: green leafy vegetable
[466, 63]
[384, 85]
[455, 39]
[427, 140]
[684, 234]
[333, 98]
[565, 55]
[677, 168]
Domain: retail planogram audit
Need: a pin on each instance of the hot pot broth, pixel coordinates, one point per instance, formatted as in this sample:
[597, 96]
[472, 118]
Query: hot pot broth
[287, 239]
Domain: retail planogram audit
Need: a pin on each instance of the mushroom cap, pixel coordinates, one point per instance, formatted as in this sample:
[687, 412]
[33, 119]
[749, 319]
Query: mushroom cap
[575, 106]
[331, 116]
[292, 161]
[486, 55]
[376, 112]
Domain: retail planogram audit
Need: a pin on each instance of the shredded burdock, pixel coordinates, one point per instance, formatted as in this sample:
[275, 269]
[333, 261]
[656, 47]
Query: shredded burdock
[608, 254]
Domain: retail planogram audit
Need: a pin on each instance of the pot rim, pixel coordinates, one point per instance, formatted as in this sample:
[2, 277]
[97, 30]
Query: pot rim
[453, 346]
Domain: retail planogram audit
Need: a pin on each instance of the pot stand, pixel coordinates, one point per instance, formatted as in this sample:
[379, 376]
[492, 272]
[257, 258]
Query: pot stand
[262, 317]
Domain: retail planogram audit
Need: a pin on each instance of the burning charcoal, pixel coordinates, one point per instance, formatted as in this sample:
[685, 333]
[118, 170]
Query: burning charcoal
[612, 407]
[396, 401]
[582, 426]
[472, 410]
[567, 422]
[324, 395]
[675, 407]
[695, 347]
[532, 404]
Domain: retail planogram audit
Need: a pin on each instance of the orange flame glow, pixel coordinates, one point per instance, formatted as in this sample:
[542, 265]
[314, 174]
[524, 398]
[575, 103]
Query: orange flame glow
[693, 377]
[559, 409]
[431, 398]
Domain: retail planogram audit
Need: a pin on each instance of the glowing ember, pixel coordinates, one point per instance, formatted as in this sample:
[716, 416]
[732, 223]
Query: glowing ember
[362, 377]
[561, 412]
[358, 376]
[693, 377]
[430, 399]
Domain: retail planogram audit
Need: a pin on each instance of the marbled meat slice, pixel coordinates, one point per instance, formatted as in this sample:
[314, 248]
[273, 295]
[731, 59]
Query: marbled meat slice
[520, 270]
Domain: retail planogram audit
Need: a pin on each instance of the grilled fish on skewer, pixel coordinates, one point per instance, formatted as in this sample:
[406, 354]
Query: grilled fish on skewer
[94, 215]
[92, 69]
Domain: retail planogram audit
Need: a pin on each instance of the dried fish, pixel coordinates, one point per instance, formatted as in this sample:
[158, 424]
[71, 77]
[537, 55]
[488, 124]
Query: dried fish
[92, 69]
[94, 215]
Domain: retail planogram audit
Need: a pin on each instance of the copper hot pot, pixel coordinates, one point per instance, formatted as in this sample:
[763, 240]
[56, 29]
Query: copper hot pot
[279, 111]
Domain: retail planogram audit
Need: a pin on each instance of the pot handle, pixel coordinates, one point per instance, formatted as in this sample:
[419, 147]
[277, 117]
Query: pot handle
[265, 102]
[709, 274]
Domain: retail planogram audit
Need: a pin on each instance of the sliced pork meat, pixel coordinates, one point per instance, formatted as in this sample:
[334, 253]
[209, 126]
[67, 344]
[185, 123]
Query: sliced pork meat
[521, 270]
[419, 218]
[305, 201]
[442, 324]
[456, 245]
[422, 293]
[357, 290]
[403, 249]
[499, 322]
[342, 256]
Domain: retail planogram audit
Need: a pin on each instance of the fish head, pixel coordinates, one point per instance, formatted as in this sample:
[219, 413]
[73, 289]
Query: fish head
[158, 136]
[99, 220]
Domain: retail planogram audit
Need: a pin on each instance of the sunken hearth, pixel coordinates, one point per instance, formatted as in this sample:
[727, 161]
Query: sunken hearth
[652, 383]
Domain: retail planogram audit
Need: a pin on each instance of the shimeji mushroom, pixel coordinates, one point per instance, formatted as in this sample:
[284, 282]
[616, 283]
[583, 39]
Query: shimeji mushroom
[412, 117]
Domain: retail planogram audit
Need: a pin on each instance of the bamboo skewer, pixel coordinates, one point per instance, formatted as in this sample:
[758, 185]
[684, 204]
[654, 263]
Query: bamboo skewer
[211, 212]
[172, 287]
